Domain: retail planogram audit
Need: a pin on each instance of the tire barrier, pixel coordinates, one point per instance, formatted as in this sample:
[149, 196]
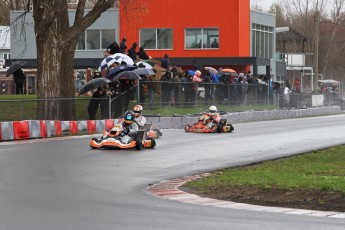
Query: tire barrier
[31, 129]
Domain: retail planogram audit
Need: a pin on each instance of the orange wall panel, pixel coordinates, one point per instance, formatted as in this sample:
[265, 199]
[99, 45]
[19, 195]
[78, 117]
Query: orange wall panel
[232, 17]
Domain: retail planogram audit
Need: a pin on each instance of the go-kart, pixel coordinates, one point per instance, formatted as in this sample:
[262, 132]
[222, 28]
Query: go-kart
[112, 139]
[209, 126]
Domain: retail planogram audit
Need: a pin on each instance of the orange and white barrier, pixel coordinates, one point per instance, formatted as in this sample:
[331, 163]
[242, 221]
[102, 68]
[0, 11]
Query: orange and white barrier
[31, 129]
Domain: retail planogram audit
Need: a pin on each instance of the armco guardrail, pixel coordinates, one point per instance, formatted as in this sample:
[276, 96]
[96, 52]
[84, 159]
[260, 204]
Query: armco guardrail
[31, 129]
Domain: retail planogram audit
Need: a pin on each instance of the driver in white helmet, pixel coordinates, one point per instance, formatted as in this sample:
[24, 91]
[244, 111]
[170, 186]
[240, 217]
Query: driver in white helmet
[210, 118]
[138, 117]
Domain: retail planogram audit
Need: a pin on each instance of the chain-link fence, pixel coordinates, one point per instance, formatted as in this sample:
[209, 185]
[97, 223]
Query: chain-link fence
[156, 95]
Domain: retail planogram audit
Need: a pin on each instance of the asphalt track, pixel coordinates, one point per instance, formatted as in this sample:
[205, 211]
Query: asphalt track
[62, 184]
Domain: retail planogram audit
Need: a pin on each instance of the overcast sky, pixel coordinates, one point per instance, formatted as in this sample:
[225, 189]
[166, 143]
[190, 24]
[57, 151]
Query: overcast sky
[265, 4]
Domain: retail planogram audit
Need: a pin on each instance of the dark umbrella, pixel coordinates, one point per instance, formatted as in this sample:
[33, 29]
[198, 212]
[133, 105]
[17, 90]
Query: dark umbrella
[118, 69]
[144, 71]
[129, 75]
[15, 66]
[94, 84]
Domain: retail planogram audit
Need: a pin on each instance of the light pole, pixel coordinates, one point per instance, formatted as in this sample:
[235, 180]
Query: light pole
[316, 50]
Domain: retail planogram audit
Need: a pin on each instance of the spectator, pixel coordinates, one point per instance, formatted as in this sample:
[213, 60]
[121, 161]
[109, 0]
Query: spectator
[166, 87]
[132, 53]
[165, 62]
[104, 102]
[215, 44]
[19, 79]
[152, 88]
[94, 104]
[113, 48]
[207, 86]
[287, 84]
[297, 85]
[123, 46]
[188, 90]
[142, 54]
[177, 87]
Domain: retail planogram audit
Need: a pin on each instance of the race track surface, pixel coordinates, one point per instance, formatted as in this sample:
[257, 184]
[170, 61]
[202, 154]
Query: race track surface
[62, 184]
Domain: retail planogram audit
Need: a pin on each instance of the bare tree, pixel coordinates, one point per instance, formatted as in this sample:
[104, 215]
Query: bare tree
[56, 43]
[336, 19]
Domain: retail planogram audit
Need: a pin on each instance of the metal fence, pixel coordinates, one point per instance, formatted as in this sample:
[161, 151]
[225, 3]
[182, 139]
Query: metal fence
[155, 95]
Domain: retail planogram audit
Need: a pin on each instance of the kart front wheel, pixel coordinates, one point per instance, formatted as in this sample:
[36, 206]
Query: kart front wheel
[138, 144]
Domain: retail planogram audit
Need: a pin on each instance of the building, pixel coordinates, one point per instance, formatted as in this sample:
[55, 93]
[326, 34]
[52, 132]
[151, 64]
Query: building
[6, 83]
[225, 33]
[185, 30]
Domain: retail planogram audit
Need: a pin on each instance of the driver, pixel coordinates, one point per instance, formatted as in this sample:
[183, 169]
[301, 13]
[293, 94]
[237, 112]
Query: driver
[211, 118]
[138, 117]
[130, 128]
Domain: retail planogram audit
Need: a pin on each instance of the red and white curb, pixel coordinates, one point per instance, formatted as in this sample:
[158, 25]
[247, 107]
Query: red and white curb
[170, 190]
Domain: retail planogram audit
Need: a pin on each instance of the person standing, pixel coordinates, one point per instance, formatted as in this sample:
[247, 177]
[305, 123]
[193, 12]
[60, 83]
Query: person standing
[19, 79]
[132, 53]
[113, 48]
[165, 63]
[94, 104]
[215, 44]
[123, 46]
[207, 87]
[152, 88]
[166, 87]
[142, 54]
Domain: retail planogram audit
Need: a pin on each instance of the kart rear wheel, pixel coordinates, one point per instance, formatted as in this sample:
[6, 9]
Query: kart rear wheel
[153, 142]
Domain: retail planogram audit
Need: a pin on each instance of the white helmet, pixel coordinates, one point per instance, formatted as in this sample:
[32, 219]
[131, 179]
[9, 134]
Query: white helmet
[212, 109]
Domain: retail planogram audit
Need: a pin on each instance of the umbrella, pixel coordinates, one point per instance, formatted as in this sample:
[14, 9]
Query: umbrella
[15, 66]
[229, 72]
[124, 57]
[129, 75]
[190, 72]
[144, 71]
[94, 84]
[211, 70]
[118, 69]
[108, 61]
[148, 61]
[143, 64]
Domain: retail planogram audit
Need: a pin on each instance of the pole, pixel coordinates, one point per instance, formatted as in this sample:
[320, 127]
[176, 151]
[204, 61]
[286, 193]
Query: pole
[316, 50]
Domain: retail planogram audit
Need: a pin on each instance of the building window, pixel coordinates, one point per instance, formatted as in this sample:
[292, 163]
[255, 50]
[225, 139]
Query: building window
[202, 38]
[6, 56]
[95, 39]
[156, 39]
[262, 41]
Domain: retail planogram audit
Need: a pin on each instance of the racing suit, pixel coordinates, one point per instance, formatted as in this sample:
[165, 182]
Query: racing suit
[140, 120]
[210, 120]
[128, 132]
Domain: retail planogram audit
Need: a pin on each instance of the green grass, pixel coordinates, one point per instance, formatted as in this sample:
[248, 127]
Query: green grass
[24, 107]
[321, 170]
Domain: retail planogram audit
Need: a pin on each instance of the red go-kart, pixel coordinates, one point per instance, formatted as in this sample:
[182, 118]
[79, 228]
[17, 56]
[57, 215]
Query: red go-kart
[210, 126]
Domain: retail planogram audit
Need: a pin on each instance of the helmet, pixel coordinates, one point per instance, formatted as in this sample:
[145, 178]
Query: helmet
[129, 117]
[138, 109]
[213, 109]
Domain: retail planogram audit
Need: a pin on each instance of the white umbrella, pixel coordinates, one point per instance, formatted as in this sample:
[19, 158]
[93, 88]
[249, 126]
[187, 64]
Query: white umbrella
[124, 57]
[117, 57]
[211, 69]
[144, 65]
[108, 61]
